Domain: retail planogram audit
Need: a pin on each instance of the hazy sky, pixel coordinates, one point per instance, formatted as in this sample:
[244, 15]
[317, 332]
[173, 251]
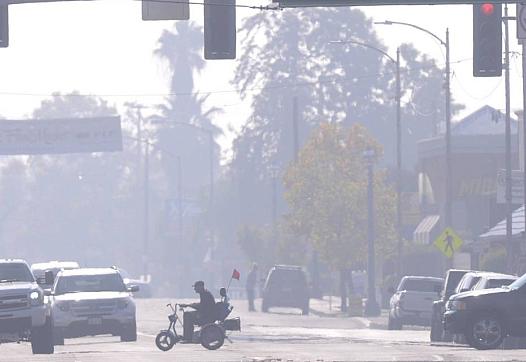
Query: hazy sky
[104, 48]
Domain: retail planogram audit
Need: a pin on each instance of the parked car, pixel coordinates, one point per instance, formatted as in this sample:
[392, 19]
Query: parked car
[486, 316]
[412, 303]
[453, 277]
[24, 314]
[145, 290]
[87, 302]
[494, 280]
[286, 286]
[39, 270]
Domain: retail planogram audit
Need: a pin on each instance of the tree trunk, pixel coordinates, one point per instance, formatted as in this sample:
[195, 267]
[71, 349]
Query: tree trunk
[343, 290]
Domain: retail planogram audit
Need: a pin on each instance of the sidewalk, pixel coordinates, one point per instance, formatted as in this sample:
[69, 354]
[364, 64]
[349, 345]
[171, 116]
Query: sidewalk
[330, 307]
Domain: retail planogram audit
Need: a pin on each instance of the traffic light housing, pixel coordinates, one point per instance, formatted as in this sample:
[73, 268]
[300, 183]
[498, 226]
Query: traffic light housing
[487, 40]
[220, 29]
[4, 26]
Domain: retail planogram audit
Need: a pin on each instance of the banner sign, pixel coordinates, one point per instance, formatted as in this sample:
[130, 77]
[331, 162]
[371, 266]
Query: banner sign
[52, 136]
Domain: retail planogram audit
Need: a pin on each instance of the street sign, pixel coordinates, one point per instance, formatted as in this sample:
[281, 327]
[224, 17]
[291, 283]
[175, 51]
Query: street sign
[334, 3]
[521, 21]
[165, 10]
[448, 242]
[517, 188]
[51, 136]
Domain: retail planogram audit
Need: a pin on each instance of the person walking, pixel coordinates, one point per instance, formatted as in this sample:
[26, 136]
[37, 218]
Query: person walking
[252, 278]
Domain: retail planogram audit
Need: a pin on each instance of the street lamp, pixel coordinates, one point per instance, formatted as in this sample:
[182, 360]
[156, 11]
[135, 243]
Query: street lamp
[398, 96]
[210, 134]
[372, 309]
[448, 111]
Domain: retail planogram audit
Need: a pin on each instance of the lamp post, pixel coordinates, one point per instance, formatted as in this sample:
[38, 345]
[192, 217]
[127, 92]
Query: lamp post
[210, 135]
[448, 111]
[398, 97]
[372, 308]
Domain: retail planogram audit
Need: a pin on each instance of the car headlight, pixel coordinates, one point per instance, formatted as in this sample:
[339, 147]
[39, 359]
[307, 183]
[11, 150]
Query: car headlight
[36, 297]
[456, 305]
[63, 306]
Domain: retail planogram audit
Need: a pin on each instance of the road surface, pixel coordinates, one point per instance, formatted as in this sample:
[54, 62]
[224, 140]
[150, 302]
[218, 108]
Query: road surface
[280, 336]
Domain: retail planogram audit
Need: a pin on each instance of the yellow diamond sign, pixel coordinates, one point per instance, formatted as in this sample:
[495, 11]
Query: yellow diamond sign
[448, 242]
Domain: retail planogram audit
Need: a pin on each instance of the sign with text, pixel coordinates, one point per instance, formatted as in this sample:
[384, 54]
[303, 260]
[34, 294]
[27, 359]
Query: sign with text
[52, 136]
[334, 3]
[165, 10]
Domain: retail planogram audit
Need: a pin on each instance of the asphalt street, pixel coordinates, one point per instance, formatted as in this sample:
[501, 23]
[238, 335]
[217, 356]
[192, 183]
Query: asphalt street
[282, 335]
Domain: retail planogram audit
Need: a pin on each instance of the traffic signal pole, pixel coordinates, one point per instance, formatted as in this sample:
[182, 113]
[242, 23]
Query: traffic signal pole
[509, 211]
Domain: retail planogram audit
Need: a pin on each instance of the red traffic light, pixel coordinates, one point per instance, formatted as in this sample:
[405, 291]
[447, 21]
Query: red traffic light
[487, 8]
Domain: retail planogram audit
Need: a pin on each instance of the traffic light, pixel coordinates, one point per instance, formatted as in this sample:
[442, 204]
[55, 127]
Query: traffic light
[4, 27]
[220, 29]
[487, 40]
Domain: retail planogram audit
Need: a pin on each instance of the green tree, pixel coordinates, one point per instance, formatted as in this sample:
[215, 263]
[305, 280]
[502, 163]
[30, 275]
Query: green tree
[326, 190]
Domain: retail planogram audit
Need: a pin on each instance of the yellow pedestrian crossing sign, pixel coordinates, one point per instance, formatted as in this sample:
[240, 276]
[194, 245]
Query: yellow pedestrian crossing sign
[448, 242]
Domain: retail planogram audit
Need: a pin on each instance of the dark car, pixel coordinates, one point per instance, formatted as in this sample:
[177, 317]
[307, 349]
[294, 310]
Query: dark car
[286, 286]
[453, 277]
[486, 316]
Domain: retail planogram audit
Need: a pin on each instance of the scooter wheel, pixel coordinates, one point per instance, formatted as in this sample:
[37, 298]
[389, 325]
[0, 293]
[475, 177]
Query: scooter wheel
[165, 340]
[212, 337]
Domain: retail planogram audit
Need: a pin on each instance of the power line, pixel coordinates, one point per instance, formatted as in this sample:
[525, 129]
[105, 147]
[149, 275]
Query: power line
[224, 91]
[254, 7]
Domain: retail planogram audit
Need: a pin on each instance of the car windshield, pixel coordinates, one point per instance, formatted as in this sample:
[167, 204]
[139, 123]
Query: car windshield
[420, 285]
[519, 283]
[15, 272]
[288, 278]
[90, 283]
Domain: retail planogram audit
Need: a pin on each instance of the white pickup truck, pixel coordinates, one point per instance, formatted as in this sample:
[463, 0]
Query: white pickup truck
[24, 313]
[412, 303]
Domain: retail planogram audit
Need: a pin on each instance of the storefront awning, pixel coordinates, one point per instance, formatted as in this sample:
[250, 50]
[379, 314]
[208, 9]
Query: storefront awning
[498, 232]
[425, 231]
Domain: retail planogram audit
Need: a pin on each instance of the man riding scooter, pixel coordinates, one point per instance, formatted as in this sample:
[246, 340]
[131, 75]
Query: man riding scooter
[205, 311]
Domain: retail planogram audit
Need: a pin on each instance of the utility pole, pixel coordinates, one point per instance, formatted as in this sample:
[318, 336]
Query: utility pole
[180, 201]
[509, 211]
[146, 215]
[448, 135]
[524, 125]
[372, 308]
[398, 167]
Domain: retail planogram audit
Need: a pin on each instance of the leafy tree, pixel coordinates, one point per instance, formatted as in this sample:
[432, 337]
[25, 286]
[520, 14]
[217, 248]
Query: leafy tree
[326, 190]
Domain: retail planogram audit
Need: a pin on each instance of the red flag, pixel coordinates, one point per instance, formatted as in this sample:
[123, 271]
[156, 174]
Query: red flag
[236, 275]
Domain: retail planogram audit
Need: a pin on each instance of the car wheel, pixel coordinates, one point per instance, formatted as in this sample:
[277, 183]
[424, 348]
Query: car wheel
[42, 339]
[58, 337]
[485, 332]
[436, 329]
[264, 306]
[129, 333]
[394, 324]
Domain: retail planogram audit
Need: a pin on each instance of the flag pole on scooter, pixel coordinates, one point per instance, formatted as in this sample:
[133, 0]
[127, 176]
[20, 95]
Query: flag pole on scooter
[235, 275]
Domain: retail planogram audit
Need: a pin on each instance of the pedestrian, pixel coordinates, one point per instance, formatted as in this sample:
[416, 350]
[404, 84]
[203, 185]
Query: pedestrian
[252, 278]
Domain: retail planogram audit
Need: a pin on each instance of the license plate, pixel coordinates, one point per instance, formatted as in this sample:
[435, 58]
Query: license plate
[94, 321]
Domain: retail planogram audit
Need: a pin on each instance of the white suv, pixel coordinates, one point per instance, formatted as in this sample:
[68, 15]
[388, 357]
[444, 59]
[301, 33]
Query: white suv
[88, 302]
[24, 314]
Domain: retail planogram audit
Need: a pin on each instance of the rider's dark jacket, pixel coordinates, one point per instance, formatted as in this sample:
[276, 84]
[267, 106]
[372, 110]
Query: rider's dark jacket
[207, 308]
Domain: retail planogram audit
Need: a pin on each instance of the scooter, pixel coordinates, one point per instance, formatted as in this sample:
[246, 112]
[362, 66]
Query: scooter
[211, 336]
